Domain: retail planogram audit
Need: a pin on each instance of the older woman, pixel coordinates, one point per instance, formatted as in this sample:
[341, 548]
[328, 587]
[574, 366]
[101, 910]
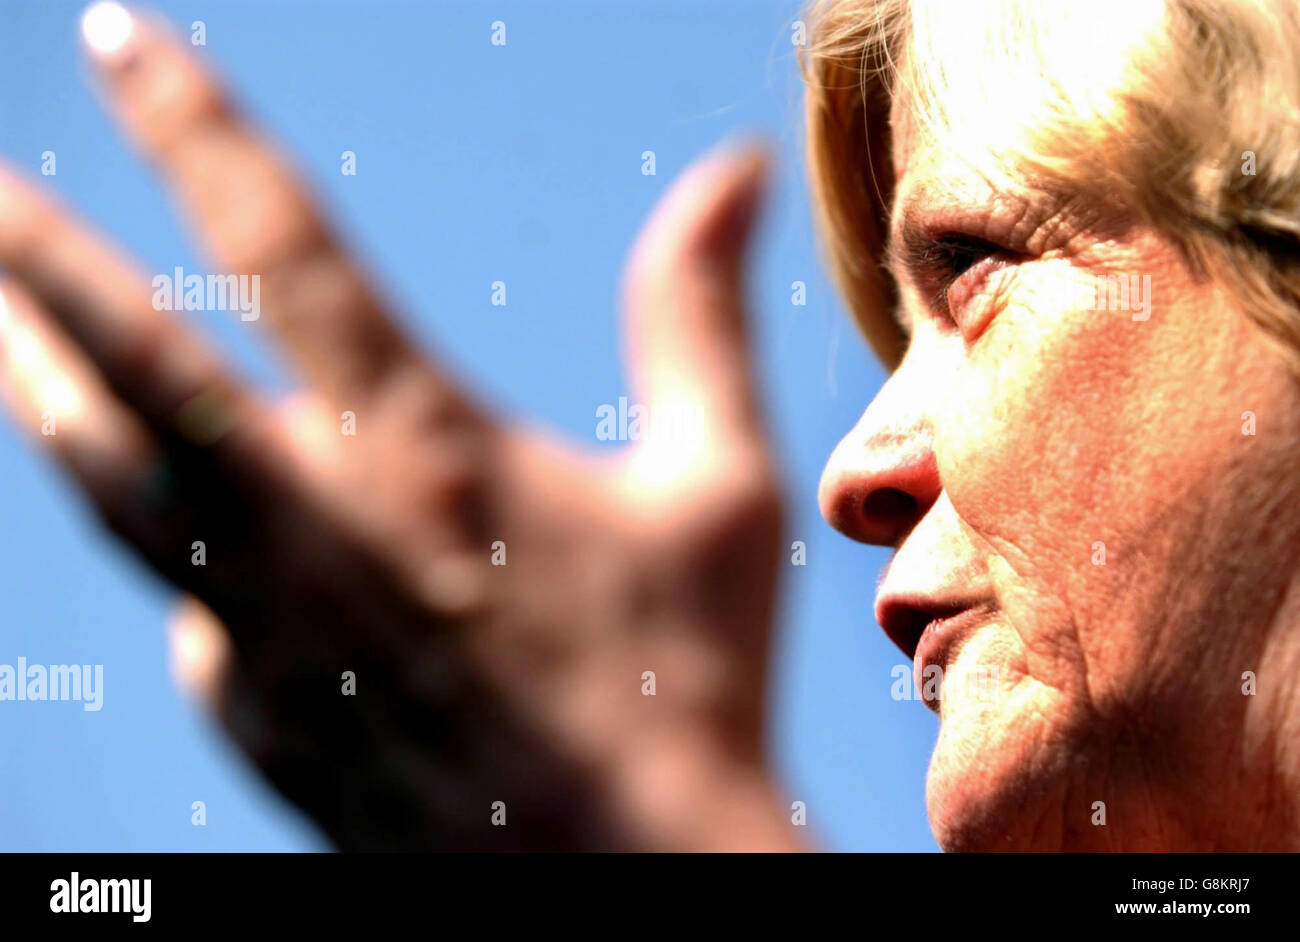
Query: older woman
[1073, 236]
[1094, 499]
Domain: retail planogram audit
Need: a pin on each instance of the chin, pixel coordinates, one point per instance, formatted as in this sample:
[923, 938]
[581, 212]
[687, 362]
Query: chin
[1003, 776]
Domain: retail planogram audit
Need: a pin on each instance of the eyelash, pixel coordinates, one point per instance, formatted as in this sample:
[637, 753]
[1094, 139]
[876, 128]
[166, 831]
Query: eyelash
[945, 260]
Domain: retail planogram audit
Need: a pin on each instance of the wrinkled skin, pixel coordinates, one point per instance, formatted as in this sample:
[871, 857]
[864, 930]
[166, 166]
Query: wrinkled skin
[474, 682]
[1021, 429]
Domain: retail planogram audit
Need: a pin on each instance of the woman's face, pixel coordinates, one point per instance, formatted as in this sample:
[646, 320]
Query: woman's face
[1092, 507]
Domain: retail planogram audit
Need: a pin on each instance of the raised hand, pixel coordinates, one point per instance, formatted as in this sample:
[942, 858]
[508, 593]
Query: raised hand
[497, 597]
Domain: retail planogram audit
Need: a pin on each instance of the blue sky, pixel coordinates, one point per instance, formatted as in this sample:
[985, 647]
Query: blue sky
[475, 163]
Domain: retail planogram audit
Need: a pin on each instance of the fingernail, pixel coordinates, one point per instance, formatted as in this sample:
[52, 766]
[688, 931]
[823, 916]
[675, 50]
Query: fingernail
[107, 27]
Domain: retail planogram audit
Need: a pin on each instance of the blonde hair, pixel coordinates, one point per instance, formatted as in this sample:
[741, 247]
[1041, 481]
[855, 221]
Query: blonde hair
[1161, 105]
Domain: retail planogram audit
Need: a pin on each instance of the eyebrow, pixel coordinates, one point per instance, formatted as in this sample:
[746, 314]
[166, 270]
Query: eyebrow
[906, 248]
[893, 262]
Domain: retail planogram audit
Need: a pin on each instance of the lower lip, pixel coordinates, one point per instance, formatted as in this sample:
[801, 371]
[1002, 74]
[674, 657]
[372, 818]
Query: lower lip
[939, 641]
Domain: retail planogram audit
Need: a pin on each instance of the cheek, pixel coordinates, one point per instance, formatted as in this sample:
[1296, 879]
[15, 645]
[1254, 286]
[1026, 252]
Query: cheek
[1065, 444]
[1029, 429]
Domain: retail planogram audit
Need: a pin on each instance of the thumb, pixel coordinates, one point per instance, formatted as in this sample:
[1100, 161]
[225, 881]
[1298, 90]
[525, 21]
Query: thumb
[683, 294]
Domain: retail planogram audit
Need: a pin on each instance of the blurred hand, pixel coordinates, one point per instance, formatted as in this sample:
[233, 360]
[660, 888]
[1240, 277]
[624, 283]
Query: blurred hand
[498, 598]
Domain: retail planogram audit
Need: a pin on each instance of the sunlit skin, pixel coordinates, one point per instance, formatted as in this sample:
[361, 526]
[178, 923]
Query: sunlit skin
[1022, 428]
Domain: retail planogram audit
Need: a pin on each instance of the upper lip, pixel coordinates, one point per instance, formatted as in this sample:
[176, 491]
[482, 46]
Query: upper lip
[904, 617]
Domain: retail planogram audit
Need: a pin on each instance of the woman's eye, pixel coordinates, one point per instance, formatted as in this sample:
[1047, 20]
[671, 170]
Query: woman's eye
[957, 265]
[956, 255]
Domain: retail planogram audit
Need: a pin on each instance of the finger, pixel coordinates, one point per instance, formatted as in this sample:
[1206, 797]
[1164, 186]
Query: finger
[155, 366]
[201, 651]
[55, 396]
[684, 298]
[250, 211]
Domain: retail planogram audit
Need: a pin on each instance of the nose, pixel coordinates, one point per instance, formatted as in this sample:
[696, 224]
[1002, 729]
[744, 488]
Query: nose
[882, 478]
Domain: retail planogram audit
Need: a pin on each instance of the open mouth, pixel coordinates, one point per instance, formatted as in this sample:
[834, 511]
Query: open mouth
[906, 622]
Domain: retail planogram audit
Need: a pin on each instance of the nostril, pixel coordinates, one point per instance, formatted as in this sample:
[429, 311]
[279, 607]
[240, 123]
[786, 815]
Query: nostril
[888, 504]
[877, 494]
